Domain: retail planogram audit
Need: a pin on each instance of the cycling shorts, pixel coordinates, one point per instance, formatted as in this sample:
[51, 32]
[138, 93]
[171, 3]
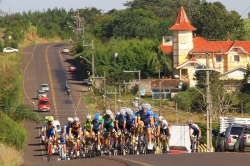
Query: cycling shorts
[62, 141]
[196, 134]
[165, 131]
[88, 133]
[75, 134]
[96, 131]
[129, 126]
[108, 126]
[49, 133]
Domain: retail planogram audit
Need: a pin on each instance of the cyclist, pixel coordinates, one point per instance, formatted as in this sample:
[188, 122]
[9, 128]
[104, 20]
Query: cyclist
[156, 131]
[130, 124]
[97, 128]
[68, 126]
[108, 128]
[75, 134]
[164, 130]
[194, 131]
[49, 131]
[144, 118]
[62, 141]
[120, 125]
[88, 129]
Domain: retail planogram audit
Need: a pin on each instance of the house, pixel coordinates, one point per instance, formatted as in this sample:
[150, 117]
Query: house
[167, 88]
[189, 51]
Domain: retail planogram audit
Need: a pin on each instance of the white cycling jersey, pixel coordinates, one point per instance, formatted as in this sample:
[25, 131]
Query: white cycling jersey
[164, 124]
[195, 127]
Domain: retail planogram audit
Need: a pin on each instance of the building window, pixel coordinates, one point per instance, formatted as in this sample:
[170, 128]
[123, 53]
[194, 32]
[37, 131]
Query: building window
[218, 58]
[184, 72]
[248, 58]
[183, 45]
[183, 32]
[235, 58]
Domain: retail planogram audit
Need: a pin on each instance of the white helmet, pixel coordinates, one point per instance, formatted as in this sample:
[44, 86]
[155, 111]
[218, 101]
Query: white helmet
[130, 112]
[88, 116]
[148, 106]
[189, 122]
[70, 119]
[76, 119]
[108, 112]
[118, 113]
[160, 118]
[123, 112]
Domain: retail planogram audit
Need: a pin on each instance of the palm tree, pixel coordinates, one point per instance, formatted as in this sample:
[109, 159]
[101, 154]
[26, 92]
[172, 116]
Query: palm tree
[160, 60]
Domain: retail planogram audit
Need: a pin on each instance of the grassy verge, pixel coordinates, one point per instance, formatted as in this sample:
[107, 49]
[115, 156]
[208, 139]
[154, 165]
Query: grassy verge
[10, 156]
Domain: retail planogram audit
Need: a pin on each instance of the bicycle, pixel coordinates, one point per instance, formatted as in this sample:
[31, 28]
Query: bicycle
[50, 148]
[164, 144]
[63, 155]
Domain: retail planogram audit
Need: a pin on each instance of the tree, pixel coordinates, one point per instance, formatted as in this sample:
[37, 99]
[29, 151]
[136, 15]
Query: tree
[160, 60]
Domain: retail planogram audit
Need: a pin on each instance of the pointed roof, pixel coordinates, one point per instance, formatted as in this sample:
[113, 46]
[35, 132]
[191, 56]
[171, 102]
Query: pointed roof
[182, 22]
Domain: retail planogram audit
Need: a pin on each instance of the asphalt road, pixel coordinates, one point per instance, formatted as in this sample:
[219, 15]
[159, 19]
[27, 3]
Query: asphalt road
[44, 63]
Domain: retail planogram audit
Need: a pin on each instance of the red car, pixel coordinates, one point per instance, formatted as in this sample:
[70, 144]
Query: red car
[72, 69]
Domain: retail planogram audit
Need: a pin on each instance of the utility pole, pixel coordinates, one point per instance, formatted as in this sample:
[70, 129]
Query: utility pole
[208, 109]
[93, 57]
[160, 97]
[105, 91]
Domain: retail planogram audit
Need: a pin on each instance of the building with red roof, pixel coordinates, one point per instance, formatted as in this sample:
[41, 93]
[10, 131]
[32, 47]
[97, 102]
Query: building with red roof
[189, 51]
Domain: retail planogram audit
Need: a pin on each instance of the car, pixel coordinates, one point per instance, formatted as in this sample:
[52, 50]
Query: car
[44, 104]
[41, 93]
[242, 143]
[225, 141]
[65, 50]
[9, 49]
[72, 69]
[45, 87]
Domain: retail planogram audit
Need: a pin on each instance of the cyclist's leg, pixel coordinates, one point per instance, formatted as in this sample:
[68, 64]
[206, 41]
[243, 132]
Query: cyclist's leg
[149, 130]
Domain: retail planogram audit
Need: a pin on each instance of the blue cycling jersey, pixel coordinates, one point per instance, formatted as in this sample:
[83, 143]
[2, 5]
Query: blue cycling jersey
[144, 117]
[156, 124]
[130, 120]
[67, 128]
[120, 119]
[97, 124]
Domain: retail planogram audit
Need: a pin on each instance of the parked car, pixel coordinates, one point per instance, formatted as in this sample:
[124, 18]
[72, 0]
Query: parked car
[65, 50]
[72, 69]
[9, 49]
[242, 143]
[41, 93]
[226, 140]
[45, 87]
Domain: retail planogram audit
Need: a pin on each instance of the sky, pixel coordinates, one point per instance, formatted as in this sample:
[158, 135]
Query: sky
[12, 6]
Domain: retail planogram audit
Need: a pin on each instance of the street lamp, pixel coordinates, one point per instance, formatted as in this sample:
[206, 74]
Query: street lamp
[120, 101]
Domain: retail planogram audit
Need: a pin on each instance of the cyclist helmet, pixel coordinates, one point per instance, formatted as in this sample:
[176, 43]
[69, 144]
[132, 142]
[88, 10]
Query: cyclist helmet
[88, 116]
[63, 128]
[160, 118]
[97, 116]
[130, 112]
[50, 119]
[76, 119]
[144, 106]
[118, 113]
[148, 106]
[108, 112]
[123, 112]
[189, 122]
[70, 119]
[156, 116]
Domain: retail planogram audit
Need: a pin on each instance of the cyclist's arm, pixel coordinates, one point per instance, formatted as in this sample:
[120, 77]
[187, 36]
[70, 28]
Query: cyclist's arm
[124, 125]
[91, 128]
[70, 134]
[199, 132]
[190, 132]
[151, 120]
